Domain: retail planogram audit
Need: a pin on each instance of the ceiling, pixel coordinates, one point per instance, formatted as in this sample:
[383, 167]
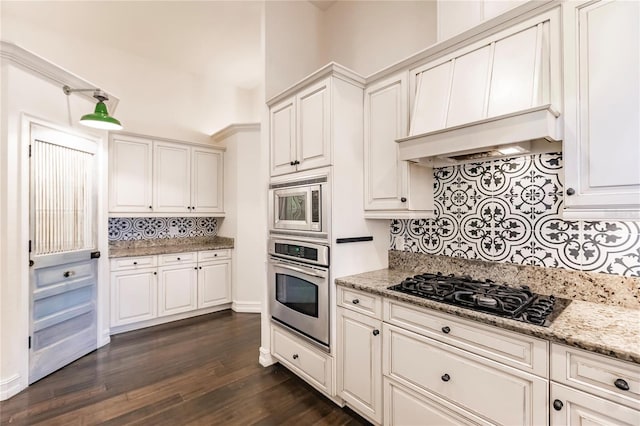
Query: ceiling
[220, 39]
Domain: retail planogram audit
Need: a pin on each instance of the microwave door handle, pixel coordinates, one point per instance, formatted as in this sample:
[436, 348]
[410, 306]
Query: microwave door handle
[302, 271]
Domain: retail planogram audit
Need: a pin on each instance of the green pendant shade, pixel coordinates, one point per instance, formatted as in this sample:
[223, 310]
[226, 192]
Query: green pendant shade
[100, 119]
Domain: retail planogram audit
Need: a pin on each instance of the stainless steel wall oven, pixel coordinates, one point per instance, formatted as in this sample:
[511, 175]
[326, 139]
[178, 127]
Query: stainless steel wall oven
[299, 288]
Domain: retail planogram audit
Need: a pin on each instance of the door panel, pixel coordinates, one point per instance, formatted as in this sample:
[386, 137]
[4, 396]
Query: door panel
[63, 274]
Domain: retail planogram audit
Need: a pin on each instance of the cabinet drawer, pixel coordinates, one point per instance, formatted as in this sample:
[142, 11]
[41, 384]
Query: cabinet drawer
[596, 374]
[133, 262]
[311, 364]
[213, 255]
[360, 301]
[579, 408]
[406, 407]
[501, 394]
[177, 258]
[514, 349]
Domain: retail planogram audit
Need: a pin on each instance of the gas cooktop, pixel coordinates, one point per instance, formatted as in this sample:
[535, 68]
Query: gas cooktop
[518, 303]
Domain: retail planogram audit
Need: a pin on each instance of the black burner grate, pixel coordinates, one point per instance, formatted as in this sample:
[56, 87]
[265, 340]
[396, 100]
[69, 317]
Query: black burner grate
[518, 303]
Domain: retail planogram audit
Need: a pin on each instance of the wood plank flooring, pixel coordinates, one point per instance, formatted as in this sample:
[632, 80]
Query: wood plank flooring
[199, 371]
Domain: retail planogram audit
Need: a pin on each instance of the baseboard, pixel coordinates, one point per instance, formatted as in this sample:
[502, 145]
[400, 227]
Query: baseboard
[249, 307]
[265, 358]
[105, 338]
[10, 387]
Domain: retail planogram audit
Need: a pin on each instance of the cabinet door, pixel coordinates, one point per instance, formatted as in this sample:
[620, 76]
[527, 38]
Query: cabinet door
[385, 120]
[133, 296]
[282, 118]
[130, 175]
[602, 109]
[359, 361]
[177, 289]
[574, 408]
[171, 177]
[313, 117]
[214, 284]
[207, 193]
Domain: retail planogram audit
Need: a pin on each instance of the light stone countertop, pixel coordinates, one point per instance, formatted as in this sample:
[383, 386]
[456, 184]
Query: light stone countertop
[167, 245]
[605, 329]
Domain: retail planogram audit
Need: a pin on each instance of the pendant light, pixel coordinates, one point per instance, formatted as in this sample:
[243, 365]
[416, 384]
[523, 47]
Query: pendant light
[100, 118]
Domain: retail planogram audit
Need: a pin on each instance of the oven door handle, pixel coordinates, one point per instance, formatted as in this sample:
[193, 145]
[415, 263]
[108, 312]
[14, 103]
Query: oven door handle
[301, 270]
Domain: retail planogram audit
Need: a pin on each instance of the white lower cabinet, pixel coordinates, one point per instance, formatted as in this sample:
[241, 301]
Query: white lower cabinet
[133, 296]
[359, 362]
[404, 407]
[592, 389]
[177, 289]
[477, 385]
[307, 361]
[182, 285]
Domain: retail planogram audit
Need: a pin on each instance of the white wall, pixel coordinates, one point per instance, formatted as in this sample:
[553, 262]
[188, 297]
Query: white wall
[157, 96]
[368, 36]
[245, 213]
[293, 43]
[24, 92]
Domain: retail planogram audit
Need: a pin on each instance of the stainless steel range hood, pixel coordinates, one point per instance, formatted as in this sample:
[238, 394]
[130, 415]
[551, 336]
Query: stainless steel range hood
[509, 134]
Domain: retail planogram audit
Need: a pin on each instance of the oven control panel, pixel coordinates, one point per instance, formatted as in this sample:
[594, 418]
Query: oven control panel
[306, 252]
[295, 250]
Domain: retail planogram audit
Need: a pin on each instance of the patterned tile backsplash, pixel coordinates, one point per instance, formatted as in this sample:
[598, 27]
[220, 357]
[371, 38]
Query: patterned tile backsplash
[509, 210]
[146, 228]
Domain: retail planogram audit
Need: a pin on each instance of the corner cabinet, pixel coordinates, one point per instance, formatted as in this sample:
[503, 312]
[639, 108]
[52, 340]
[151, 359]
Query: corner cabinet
[300, 130]
[393, 188]
[150, 176]
[602, 109]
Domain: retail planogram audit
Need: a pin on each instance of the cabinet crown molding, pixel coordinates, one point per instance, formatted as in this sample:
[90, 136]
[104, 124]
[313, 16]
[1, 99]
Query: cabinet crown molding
[234, 128]
[331, 69]
[115, 135]
[39, 66]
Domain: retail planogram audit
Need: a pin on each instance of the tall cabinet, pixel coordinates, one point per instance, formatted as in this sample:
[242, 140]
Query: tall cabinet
[602, 109]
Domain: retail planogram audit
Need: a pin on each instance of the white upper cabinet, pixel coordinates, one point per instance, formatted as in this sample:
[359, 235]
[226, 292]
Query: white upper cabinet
[149, 177]
[455, 17]
[510, 71]
[171, 177]
[393, 188]
[602, 109]
[300, 130]
[283, 137]
[130, 174]
[207, 189]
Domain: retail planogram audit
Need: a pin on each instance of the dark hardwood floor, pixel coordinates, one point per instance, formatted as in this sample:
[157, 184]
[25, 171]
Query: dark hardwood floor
[199, 371]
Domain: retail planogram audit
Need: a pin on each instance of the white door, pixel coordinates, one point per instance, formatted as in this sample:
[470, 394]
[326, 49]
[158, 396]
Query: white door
[214, 284]
[282, 137]
[63, 277]
[171, 178]
[177, 289]
[130, 165]
[313, 120]
[206, 180]
[133, 296]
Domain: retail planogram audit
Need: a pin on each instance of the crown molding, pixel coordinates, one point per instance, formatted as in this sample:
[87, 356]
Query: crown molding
[43, 68]
[232, 129]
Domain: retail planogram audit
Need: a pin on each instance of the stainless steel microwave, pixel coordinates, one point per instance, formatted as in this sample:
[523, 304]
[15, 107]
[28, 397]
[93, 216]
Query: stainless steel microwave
[299, 206]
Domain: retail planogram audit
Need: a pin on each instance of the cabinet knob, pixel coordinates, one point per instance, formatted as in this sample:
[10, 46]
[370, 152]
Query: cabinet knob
[355, 301]
[403, 199]
[195, 267]
[193, 208]
[291, 163]
[178, 258]
[135, 263]
[445, 377]
[215, 254]
[155, 273]
[621, 384]
[199, 267]
[295, 163]
[295, 356]
[571, 191]
[68, 274]
[446, 329]
[557, 405]
[376, 332]
[188, 208]
[150, 207]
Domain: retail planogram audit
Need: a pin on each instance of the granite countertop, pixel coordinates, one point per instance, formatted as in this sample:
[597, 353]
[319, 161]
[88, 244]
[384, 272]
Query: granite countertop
[167, 245]
[605, 329]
